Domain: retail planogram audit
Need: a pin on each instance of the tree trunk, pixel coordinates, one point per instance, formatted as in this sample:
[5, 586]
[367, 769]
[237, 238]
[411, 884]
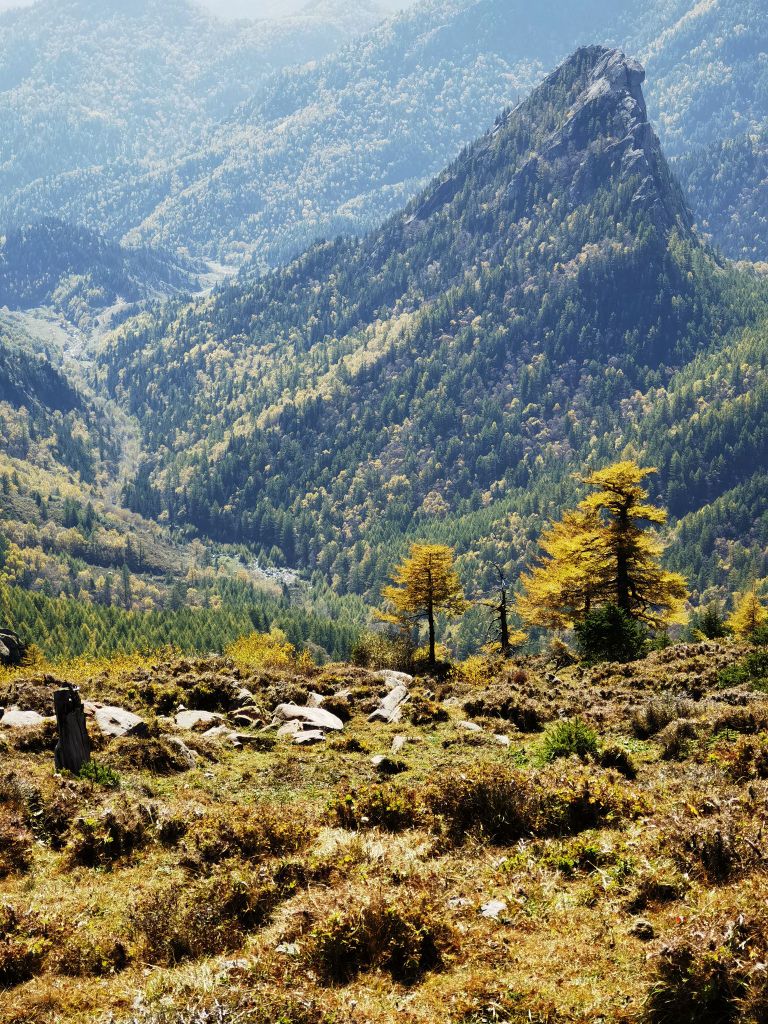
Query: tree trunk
[73, 749]
[623, 599]
[431, 619]
[504, 625]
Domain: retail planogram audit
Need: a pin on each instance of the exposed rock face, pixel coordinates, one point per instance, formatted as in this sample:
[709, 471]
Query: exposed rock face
[117, 722]
[313, 718]
[15, 718]
[12, 648]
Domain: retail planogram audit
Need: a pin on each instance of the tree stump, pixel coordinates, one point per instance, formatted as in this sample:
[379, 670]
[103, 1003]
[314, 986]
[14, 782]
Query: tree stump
[73, 749]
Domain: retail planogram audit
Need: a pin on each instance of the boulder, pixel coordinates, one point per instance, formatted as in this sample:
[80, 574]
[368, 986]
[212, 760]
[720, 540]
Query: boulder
[391, 708]
[117, 722]
[188, 756]
[12, 648]
[470, 726]
[244, 698]
[312, 718]
[197, 721]
[392, 679]
[15, 718]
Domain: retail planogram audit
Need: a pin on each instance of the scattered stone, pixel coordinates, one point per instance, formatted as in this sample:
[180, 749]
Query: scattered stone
[398, 744]
[315, 700]
[470, 726]
[307, 737]
[314, 718]
[493, 909]
[392, 679]
[503, 741]
[187, 755]
[458, 903]
[288, 948]
[247, 721]
[225, 734]
[391, 708]
[15, 718]
[643, 930]
[117, 723]
[290, 729]
[244, 698]
[197, 721]
[387, 766]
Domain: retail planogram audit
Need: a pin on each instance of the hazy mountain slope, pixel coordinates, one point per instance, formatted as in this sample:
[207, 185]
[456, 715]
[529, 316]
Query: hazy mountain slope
[707, 63]
[331, 149]
[463, 355]
[727, 185]
[336, 147]
[79, 273]
[87, 82]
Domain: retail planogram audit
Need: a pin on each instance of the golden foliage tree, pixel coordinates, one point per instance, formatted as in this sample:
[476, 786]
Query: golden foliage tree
[749, 615]
[423, 585]
[604, 552]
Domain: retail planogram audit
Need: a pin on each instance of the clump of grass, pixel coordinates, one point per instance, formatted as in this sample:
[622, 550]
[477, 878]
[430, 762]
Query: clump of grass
[171, 923]
[15, 845]
[421, 709]
[117, 832]
[149, 755]
[711, 979]
[392, 808]
[248, 832]
[676, 739]
[506, 703]
[659, 713]
[404, 938]
[99, 774]
[569, 738]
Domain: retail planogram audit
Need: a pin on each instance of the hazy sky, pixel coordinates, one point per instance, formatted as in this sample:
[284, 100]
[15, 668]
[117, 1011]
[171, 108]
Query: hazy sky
[239, 8]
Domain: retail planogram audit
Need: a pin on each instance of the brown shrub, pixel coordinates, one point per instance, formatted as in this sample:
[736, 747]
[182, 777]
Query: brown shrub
[675, 739]
[421, 709]
[248, 833]
[405, 938]
[116, 833]
[717, 848]
[36, 739]
[746, 759]
[711, 978]
[20, 960]
[152, 755]
[171, 923]
[15, 845]
[506, 703]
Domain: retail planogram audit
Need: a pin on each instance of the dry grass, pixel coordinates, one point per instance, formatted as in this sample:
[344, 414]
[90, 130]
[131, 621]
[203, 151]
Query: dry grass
[298, 886]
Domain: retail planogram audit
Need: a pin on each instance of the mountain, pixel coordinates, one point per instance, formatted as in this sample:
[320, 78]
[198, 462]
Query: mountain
[87, 83]
[79, 273]
[727, 185]
[446, 374]
[253, 154]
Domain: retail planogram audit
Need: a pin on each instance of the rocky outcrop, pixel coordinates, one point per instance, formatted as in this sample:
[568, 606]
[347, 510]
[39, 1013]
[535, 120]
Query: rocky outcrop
[12, 648]
[312, 718]
[391, 708]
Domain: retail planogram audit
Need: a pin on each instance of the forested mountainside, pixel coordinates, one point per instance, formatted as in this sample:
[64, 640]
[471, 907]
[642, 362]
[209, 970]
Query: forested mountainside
[88, 84]
[78, 273]
[532, 310]
[727, 185]
[247, 163]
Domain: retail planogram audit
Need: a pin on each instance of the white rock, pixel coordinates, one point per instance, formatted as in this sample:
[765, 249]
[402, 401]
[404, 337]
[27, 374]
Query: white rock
[493, 909]
[117, 722]
[307, 737]
[398, 744]
[503, 741]
[391, 709]
[470, 726]
[290, 729]
[15, 718]
[197, 721]
[314, 718]
[393, 679]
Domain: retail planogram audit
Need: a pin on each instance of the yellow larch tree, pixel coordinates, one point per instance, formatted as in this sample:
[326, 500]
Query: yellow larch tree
[749, 615]
[602, 553]
[423, 585]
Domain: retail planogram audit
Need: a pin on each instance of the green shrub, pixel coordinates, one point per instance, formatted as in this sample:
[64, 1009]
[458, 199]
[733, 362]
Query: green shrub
[609, 634]
[100, 774]
[564, 739]
[382, 651]
[753, 671]
[389, 807]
